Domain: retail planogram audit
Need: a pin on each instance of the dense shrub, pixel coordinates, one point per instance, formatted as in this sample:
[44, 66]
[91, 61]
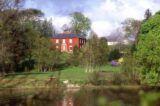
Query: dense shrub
[114, 55]
[148, 50]
[130, 70]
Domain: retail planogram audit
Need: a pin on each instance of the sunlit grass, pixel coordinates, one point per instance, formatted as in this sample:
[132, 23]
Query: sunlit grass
[72, 74]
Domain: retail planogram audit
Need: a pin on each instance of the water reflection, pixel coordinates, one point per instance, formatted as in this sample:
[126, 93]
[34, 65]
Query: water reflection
[77, 97]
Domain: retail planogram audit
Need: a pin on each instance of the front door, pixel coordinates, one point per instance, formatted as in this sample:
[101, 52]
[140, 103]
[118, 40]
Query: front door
[63, 47]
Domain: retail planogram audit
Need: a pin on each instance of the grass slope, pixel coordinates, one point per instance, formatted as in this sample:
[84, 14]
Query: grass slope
[73, 74]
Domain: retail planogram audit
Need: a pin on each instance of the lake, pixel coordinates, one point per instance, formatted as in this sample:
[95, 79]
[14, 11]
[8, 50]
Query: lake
[86, 96]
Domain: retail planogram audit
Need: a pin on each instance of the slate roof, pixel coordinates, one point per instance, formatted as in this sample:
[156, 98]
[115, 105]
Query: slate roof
[63, 36]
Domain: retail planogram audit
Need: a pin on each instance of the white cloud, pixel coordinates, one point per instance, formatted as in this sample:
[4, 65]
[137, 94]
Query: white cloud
[108, 15]
[111, 13]
[103, 27]
[59, 21]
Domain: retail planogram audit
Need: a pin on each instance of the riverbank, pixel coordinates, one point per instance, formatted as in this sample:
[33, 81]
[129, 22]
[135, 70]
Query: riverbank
[34, 79]
[84, 96]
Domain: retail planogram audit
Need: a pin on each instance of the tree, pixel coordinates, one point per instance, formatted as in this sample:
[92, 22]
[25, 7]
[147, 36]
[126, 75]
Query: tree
[8, 18]
[103, 51]
[80, 23]
[89, 51]
[131, 27]
[114, 55]
[43, 54]
[4, 54]
[147, 14]
[95, 52]
[15, 31]
[75, 56]
[148, 49]
[65, 27]
[19, 39]
[45, 27]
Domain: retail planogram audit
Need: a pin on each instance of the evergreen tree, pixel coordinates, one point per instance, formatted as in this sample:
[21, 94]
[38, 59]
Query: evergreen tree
[147, 14]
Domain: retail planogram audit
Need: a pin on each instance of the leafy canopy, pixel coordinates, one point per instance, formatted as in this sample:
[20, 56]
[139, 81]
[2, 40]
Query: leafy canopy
[80, 23]
[148, 48]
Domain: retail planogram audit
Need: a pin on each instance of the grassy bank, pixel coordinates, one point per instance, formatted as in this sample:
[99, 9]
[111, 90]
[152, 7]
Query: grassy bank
[42, 79]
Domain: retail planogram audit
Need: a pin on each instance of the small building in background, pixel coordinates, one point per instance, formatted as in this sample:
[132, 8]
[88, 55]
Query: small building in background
[66, 41]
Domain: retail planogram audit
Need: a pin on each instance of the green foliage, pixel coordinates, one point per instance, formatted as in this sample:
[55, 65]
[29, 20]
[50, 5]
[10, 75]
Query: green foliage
[148, 49]
[94, 78]
[114, 55]
[150, 99]
[131, 27]
[95, 52]
[44, 27]
[80, 23]
[43, 53]
[103, 51]
[129, 70]
[75, 57]
[23, 38]
[18, 37]
[102, 101]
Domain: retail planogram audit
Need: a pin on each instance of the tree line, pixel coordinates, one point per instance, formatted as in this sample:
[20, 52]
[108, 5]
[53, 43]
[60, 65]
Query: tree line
[142, 58]
[23, 35]
[25, 43]
[25, 40]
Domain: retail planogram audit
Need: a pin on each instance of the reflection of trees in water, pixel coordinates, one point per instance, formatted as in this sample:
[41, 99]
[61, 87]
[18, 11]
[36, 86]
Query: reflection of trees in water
[83, 97]
[32, 97]
[67, 100]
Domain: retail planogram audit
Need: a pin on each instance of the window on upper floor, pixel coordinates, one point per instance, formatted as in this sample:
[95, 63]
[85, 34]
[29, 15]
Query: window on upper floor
[70, 40]
[64, 41]
[57, 40]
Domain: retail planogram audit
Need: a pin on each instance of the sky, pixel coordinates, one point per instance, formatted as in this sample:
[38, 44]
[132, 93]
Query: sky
[106, 15]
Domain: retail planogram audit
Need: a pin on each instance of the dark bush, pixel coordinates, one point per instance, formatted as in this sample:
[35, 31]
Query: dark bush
[114, 55]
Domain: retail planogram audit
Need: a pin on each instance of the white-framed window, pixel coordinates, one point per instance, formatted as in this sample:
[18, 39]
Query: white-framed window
[70, 40]
[57, 40]
[63, 47]
[64, 41]
[71, 48]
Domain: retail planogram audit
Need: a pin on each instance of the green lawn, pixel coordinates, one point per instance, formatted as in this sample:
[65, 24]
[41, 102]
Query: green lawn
[73, 74]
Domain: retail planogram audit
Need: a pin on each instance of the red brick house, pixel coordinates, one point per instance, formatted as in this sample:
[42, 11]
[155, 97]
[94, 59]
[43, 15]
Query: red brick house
[66, 41]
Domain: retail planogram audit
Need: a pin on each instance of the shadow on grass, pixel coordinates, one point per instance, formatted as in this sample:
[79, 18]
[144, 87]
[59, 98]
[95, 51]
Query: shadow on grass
[24, 79]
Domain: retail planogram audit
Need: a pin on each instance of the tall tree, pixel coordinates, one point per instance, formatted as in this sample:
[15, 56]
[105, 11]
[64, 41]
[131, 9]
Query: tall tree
[45, 54]
[45, 27]
[95, 53]
[131, 27]
[103, 51]
[4, 54]
[148, 49]
[147, 14]
[80, 23]
[13, 20]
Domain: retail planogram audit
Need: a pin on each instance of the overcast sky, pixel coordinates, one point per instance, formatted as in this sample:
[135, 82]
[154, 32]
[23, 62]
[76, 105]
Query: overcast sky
[106, 15]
